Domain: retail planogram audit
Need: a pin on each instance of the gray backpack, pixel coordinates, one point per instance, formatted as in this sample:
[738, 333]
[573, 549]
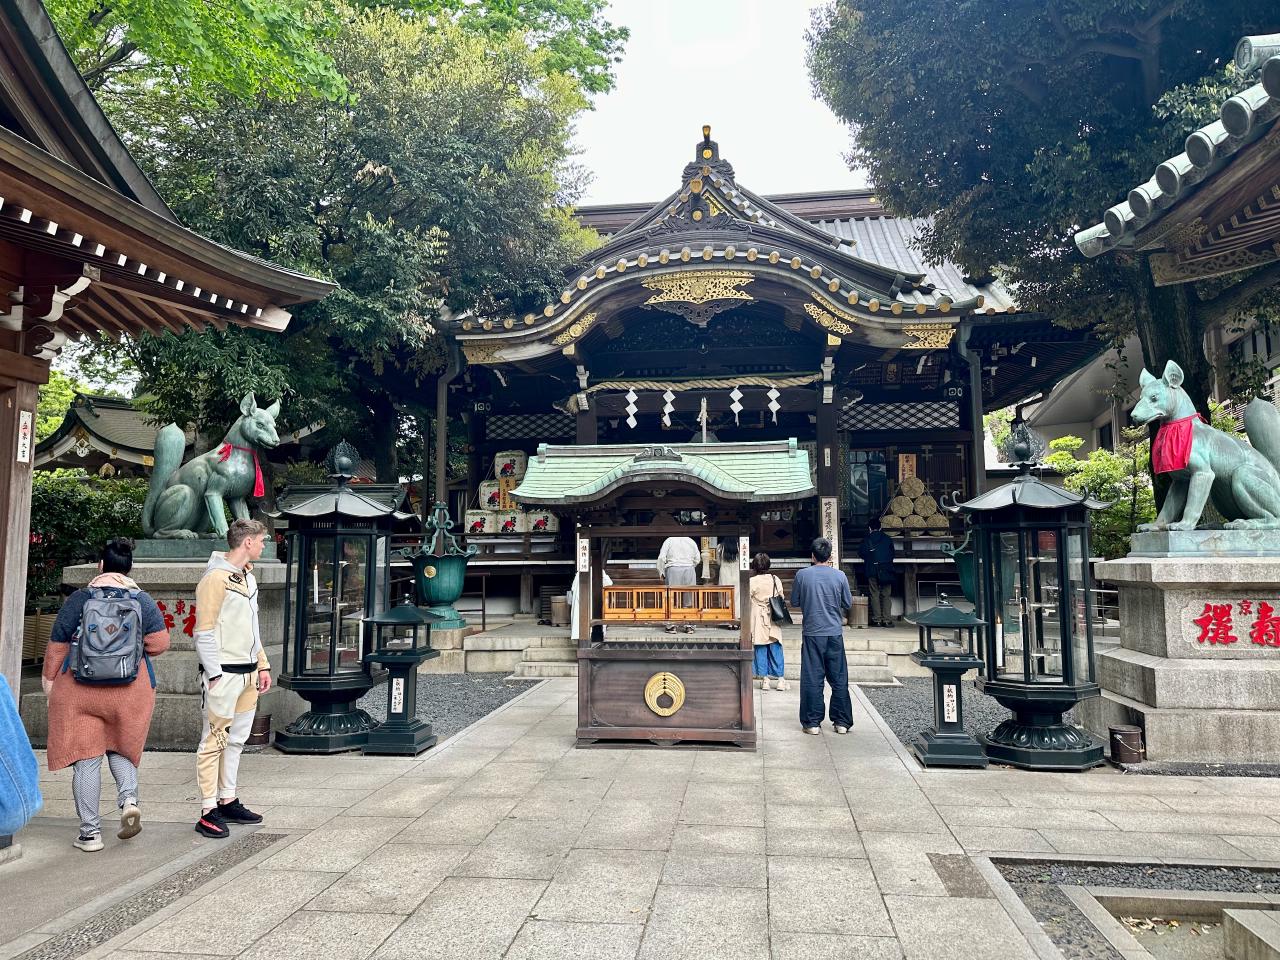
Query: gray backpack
[107, 648]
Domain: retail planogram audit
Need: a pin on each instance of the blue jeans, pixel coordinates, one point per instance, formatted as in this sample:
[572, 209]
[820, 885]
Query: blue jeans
[768, 660]
[822, 660]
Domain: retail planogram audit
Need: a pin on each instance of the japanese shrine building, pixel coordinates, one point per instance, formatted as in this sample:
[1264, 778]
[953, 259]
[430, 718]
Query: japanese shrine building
[805, 316]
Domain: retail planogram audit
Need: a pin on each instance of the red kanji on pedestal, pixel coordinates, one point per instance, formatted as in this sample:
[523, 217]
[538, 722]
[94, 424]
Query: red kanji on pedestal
[189, 624]
[168, 617]
[1265, 631]
[181, 608]
[1215, 624]
[1246, 608]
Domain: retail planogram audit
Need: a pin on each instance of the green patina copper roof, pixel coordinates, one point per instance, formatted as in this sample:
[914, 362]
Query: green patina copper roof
[742, 472]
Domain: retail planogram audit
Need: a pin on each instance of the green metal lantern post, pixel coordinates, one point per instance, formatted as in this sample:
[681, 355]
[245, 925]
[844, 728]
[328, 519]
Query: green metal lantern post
[402, 642]
[947, 649]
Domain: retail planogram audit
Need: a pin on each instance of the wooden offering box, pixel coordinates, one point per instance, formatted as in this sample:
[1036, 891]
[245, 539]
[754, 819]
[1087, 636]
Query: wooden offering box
[661, 689]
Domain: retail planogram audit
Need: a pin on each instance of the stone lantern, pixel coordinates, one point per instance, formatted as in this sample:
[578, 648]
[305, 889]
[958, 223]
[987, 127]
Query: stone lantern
[402, 641]
[336, 578]
[1034, 592]
[947, 648]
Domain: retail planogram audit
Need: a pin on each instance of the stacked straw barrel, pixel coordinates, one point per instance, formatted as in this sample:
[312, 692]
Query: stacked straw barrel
[912, 509]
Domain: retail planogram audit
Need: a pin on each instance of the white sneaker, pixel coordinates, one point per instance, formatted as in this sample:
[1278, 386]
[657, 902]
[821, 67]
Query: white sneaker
[842, 730]
[762, 683]
[130, 820]
[88, 844]
[782, 684]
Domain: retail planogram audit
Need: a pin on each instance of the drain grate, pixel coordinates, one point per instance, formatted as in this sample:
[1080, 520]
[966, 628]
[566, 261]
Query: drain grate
[115, 920]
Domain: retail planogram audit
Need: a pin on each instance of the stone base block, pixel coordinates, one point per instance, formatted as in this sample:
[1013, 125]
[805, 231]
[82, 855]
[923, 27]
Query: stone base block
[493, 661]
[449, 661]
[1190, 684]
[188, 550]
[451, 639]
[1189, 735]
[175, 724]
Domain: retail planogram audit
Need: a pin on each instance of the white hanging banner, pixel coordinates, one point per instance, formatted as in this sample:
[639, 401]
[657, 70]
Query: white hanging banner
[830, 520]
[668, 407]
[736, 396]
[744, 553]
[584, 555]
[26, 433]
[631, 397]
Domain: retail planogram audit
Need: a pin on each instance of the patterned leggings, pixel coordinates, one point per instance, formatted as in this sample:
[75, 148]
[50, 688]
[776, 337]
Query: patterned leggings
[86, 787]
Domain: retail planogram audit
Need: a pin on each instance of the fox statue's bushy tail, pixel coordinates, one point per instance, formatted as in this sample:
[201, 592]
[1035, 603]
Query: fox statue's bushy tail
[171, 443]
[1262, 426]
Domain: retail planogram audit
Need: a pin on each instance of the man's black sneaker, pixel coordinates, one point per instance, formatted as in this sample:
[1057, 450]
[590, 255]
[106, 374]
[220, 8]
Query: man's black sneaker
[212, 825]
[237, 812]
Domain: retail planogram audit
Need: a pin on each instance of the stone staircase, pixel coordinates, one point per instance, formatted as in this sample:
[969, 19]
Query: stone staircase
[557, 657]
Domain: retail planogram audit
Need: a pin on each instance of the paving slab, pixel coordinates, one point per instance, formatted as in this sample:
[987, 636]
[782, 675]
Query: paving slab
[529, 849]
[393, 879]
[901, 864]
[603, 886]
[554, 940]
[716, 870]
[465, 919]
[336, 846]
[956, 928]
[827, 946]
[325, 936]
[692, 923]
[825, 895]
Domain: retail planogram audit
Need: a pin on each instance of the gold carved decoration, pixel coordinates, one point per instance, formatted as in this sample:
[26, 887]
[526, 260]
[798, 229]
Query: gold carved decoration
[480, 353]
[714, 206]
[698, 286]
[667, 685]
[929, 336]
[1167, 269]
[698, 295]
[827, 320]
[576, 329]
[1184, 235]
[836, 309]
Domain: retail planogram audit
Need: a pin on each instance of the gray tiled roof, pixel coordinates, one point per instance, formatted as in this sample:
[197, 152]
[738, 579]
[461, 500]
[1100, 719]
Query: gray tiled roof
[889, 241]
[1244, 119]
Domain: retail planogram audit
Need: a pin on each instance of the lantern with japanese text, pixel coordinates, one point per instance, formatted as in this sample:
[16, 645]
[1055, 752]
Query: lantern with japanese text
[947, 650]
[402, 641]
[336, 579]
[1034, 592]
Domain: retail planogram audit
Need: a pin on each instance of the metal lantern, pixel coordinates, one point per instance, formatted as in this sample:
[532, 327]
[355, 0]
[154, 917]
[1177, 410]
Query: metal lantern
[1031, 551]
[947, 649]
[402, 641]
[337, 577]
[440, 569]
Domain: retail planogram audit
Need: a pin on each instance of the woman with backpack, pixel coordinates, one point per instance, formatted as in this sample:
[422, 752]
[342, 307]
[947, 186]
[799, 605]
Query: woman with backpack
[101, 689]
[766, 636]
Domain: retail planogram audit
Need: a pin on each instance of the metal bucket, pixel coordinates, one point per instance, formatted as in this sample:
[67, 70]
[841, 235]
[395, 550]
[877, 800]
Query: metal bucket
[1126, 744]
[260, 732]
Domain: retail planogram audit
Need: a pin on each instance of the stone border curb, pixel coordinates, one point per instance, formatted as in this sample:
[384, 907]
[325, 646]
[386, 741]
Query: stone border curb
[1012, 905]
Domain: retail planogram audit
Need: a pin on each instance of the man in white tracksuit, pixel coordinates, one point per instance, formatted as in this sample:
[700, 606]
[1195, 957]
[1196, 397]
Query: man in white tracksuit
[233, 671]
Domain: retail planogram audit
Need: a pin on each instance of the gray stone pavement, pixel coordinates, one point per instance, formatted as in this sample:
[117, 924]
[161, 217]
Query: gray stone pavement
[507, 842]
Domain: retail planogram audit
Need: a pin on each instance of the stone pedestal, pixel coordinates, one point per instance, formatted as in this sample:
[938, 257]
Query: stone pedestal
[176, 723]
[1198, 666]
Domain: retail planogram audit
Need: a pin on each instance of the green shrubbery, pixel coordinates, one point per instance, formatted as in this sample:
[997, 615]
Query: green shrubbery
[1120, 477]
[72, 515]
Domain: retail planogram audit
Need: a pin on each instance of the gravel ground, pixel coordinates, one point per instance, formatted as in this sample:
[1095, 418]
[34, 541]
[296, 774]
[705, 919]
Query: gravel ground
[908, 709]
[1037, 883]
[451, 701]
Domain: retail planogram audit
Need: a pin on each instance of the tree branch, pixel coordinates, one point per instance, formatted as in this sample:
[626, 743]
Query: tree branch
[96, 75]
[1236, 297]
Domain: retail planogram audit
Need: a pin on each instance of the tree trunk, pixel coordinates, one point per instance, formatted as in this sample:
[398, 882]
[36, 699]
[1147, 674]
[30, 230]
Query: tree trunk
[383, 430]
[1170, 329]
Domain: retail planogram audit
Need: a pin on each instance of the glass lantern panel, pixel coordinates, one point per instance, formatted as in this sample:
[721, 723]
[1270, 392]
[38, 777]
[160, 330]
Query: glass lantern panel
[319, 583]
[1078, 608]
[1007, 606]
[381, 569]
[1044, 595]
[352, 578]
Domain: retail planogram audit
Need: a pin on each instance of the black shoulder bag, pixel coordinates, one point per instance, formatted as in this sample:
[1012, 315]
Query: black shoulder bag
[779, 612]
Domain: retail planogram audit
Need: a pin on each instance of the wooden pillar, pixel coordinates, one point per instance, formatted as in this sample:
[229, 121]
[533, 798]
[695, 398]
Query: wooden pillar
[973, 406]
[17, 454]
[745, 688]
[588, 426]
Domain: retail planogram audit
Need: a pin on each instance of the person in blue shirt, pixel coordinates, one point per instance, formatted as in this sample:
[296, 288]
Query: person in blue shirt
[822, 594]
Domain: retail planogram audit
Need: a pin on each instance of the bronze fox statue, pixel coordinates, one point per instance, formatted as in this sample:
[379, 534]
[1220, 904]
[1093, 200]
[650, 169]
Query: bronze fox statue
[185, 501]
[1205, 463]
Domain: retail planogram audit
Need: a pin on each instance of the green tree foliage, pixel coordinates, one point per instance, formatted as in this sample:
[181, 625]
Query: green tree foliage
[72, 516]
[55, 398]
[1121, 477]
[437, 182]
[243, 47]
[1011, 125]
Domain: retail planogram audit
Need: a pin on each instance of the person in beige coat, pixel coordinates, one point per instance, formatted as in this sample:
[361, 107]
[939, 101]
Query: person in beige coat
[766, 636]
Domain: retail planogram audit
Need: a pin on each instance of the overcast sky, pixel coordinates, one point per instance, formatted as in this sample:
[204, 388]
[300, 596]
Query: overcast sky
[735, 64]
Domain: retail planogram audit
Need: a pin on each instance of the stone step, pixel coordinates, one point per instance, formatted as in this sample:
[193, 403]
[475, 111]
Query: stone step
[175, 724]
[1251, 934]
[539, 669]
[551, 654]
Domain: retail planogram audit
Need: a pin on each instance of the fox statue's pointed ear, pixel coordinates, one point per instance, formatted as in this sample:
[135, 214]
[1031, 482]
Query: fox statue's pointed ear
[1145, 377]
[248, 405]
[1172, 374]
[274, 410]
